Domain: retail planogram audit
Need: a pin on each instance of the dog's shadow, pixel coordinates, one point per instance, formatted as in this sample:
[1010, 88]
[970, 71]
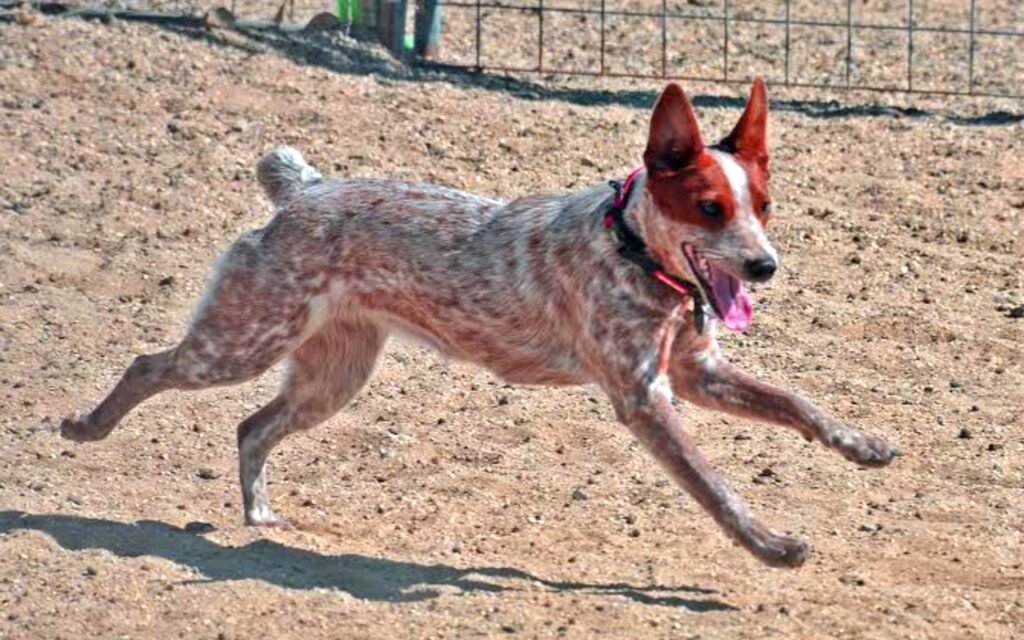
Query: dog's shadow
[365, 577]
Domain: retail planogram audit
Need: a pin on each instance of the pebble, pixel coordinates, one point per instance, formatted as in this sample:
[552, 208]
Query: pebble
[91, 572]
[965, 434]
[199, 527]
[1016, 312]
[579, 494]
[994, 446]
[871, 527]
[206, 473]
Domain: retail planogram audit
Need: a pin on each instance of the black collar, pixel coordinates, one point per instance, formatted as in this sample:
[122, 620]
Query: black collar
[633, 248]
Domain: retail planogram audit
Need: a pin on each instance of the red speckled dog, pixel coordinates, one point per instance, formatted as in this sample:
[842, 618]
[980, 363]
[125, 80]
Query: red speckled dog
[557, 290]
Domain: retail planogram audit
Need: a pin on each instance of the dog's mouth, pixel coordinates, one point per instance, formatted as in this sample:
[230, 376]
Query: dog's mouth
[724, 292]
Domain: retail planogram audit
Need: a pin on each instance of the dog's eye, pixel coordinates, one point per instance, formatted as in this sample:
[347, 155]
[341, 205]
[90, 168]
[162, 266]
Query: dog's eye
[711, 209]
[768, 207]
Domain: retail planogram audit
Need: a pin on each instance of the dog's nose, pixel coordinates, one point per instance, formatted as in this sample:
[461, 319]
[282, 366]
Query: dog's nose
[761, 269]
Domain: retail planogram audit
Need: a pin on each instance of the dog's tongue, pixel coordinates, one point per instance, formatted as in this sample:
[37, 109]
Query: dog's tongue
[731, 300]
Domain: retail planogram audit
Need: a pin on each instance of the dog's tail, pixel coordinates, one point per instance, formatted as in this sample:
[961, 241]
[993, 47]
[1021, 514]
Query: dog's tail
[283, 173]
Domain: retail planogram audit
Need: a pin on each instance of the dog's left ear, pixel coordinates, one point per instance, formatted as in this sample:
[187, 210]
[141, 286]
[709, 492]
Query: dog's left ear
[749, 138]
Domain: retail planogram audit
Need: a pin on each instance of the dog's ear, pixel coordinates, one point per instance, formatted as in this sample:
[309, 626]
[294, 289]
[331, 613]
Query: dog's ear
[749, 138]
[674, 139]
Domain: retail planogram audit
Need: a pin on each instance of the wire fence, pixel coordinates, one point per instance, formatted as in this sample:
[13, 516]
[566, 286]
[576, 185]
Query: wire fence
[934, 47]
[944, 47]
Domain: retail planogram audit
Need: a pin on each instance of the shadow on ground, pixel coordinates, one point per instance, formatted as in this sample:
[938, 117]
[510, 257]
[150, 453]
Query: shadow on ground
[341, 54]
[364, 577]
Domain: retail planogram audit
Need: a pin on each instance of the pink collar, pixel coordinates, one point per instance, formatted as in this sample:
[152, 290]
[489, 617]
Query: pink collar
[632, 245]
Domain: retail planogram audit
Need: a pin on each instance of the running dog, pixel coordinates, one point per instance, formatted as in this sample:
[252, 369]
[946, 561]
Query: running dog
[620, 285]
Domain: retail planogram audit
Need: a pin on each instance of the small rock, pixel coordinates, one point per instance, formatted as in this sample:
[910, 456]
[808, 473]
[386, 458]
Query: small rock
[91, 572]
[73, 499]
[965, 434]
[635, 533]
[955, 384]
[853, 580]
[1016, 312]
[308, 503]
[741, 436]
[198, 527]
[871, 527]
[502, 401]
[579, 494]
[166, 281]
[994, 446]
[206, 473]
[631, 519]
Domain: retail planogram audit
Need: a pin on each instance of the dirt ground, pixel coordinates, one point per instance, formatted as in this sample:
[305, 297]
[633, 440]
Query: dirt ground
[444, 503]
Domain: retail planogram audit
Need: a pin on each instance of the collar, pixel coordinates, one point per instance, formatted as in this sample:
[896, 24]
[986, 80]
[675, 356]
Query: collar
[633, 248]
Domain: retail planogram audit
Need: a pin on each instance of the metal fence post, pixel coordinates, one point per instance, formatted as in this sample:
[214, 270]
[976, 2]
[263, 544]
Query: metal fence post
[391, 26]
[428, 28]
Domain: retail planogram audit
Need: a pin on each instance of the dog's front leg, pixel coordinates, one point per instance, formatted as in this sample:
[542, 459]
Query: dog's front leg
[636, 379]
[702, 377]
[647, 411]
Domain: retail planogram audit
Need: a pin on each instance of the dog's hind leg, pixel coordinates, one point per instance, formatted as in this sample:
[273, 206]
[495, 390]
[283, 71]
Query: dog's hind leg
[244, 325]
[144, 378]
[325, 373]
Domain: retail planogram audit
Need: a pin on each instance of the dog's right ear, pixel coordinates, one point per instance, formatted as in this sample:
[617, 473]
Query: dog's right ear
[674, 139]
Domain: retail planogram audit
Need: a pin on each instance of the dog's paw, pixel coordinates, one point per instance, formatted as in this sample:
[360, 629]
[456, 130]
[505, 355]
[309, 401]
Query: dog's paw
[777, 550]
[267, 519]
[866, 450]
[77, 428]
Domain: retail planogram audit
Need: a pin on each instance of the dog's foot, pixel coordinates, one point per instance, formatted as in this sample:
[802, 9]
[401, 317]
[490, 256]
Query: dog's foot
[864, 449]
[775, 549]
[265, 517]
[77, 428]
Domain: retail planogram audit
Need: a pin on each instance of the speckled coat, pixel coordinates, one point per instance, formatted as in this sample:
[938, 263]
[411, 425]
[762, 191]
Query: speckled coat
[535, 290]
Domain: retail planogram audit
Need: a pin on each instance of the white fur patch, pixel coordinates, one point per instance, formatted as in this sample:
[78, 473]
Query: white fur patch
[739, 184]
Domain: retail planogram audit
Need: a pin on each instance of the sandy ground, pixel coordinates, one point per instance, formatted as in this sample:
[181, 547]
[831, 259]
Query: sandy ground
[444, 503]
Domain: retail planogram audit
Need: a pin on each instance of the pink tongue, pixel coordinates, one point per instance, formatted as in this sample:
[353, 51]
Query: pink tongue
[732, 300]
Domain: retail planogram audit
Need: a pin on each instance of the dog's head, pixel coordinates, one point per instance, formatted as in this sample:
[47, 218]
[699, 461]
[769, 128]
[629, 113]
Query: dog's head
[709, 206]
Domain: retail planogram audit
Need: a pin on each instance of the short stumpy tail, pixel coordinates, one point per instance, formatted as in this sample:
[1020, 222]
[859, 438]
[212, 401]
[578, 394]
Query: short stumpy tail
[283, 173]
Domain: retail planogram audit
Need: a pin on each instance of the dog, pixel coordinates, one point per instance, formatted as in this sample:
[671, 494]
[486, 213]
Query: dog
[620, 285]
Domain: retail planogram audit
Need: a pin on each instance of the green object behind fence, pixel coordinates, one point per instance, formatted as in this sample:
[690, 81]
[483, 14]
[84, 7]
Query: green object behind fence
[350, 11]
